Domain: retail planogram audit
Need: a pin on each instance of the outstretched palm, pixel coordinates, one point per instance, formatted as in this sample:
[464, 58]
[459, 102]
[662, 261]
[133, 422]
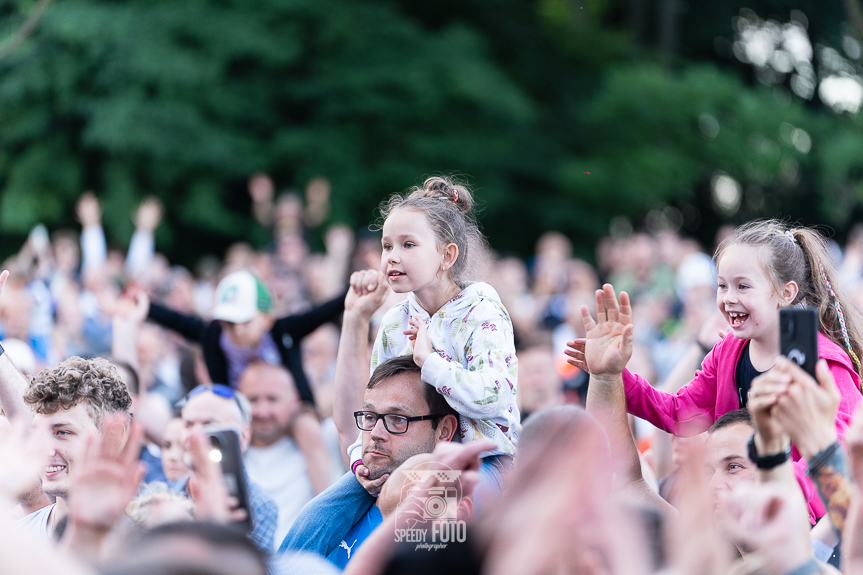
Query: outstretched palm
[608, 345]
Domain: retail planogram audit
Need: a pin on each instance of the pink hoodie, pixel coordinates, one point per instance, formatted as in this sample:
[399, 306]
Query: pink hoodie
[713, 393]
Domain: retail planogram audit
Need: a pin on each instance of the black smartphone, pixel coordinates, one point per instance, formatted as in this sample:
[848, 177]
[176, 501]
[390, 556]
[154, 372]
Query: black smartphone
[225, 449]
[798, 337]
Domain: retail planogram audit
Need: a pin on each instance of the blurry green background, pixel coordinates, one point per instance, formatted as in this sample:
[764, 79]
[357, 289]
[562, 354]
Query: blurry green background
[685, 114]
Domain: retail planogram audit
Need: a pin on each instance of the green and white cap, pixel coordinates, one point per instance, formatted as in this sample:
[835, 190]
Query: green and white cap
[240, 297]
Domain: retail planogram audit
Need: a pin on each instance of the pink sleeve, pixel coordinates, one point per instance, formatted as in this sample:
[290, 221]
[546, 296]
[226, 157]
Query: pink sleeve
[688, 412]
[849, 389]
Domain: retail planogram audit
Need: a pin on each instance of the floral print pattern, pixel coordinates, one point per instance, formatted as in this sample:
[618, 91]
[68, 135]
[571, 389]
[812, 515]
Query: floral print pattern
[474, 366]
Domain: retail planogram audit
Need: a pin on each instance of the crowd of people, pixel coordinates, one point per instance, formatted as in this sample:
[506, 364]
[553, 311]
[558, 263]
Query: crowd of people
[410, 401]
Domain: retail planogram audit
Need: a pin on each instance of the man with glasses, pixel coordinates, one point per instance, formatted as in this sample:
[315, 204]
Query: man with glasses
[215, 404]
[400, 417]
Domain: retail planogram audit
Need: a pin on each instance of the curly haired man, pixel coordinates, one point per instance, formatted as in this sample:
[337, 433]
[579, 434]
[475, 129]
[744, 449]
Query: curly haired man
[72, 400]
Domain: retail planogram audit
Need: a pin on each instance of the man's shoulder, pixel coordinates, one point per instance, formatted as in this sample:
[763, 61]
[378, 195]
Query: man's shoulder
[38, 515]
[37, 522]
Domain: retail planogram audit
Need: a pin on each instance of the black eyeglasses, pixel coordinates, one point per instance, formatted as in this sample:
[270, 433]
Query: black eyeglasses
[393, 422]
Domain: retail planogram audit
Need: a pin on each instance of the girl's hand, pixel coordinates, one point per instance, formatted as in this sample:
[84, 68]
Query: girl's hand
[422, 344]
[373, 486]
[608, 345]
[367, 293]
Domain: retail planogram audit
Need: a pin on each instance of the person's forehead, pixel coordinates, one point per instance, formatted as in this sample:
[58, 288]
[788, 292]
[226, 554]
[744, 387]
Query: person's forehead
[402, 392]
[207, 406]
[174, 428]
[729, 441]
[741, 260]
[407, 222]
[265, 380]
[77, 416]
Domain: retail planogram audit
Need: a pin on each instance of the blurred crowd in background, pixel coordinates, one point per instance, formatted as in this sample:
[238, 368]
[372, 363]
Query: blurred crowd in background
[64, 287]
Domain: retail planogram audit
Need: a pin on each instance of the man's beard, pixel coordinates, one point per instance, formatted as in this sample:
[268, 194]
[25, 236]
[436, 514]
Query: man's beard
[396, 459]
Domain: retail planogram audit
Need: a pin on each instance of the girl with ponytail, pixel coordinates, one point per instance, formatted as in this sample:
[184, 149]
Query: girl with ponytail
[762, 267]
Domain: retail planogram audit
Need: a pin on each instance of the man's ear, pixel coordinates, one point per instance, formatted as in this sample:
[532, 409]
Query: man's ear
[789, 292]
[447, 428]
[450, 255]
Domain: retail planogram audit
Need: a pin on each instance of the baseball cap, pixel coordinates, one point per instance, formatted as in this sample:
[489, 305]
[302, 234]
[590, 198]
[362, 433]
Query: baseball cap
[241, 296]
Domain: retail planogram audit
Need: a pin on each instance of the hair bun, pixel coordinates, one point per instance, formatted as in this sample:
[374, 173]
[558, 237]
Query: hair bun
[447, 189]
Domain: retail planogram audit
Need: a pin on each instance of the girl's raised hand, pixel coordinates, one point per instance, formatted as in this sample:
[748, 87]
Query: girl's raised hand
[418, 334]
[367, 293]
[608, 345]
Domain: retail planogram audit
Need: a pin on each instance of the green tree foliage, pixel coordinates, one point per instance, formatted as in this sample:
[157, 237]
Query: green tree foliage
[184, 99]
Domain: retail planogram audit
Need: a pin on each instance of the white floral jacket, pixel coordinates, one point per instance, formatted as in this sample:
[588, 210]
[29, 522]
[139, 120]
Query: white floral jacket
[474, 367]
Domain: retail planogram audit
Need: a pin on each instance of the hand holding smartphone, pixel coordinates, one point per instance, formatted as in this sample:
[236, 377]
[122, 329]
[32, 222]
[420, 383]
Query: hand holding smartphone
[224, 448]
[798, 337]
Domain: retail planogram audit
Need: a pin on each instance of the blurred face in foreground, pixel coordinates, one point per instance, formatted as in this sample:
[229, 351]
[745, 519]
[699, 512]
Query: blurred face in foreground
[727, 465]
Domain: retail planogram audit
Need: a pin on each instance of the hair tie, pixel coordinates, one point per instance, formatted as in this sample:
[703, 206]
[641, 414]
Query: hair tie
[453, 199]
[790, 235]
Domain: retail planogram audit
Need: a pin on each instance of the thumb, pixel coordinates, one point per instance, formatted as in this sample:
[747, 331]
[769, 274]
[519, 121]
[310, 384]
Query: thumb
[194, 487]
[587, 319]
[626, 348]
[825, 377]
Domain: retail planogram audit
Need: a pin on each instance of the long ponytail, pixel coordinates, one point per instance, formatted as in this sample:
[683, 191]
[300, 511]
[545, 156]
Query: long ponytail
[838, 319]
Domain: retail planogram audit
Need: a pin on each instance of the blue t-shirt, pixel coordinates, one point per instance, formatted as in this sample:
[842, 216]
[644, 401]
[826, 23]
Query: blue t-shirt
[355, 537]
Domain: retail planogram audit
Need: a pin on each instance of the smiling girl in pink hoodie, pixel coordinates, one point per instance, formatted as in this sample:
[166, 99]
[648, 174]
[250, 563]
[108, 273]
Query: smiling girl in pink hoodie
[762, 267]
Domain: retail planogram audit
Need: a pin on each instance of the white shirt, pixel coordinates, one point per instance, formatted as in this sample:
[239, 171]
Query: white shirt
[37, 523]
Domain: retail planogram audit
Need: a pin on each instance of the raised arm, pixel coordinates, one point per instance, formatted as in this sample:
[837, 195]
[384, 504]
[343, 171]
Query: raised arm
[189, 326]
[367, 293]
[143, 244]
[93, 247]
[12, 383]
[301, 325]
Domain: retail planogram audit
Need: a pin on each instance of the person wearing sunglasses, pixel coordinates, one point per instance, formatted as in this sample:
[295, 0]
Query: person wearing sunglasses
[400, 417]
[217, 404]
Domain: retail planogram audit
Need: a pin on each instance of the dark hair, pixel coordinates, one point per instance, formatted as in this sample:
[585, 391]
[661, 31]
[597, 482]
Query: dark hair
[801, 255]
[448, 206]
[732, 418]
[405, 364]
[95, 381]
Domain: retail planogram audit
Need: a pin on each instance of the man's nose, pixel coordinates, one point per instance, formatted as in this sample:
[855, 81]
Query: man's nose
[379, 431]
[716, 483]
